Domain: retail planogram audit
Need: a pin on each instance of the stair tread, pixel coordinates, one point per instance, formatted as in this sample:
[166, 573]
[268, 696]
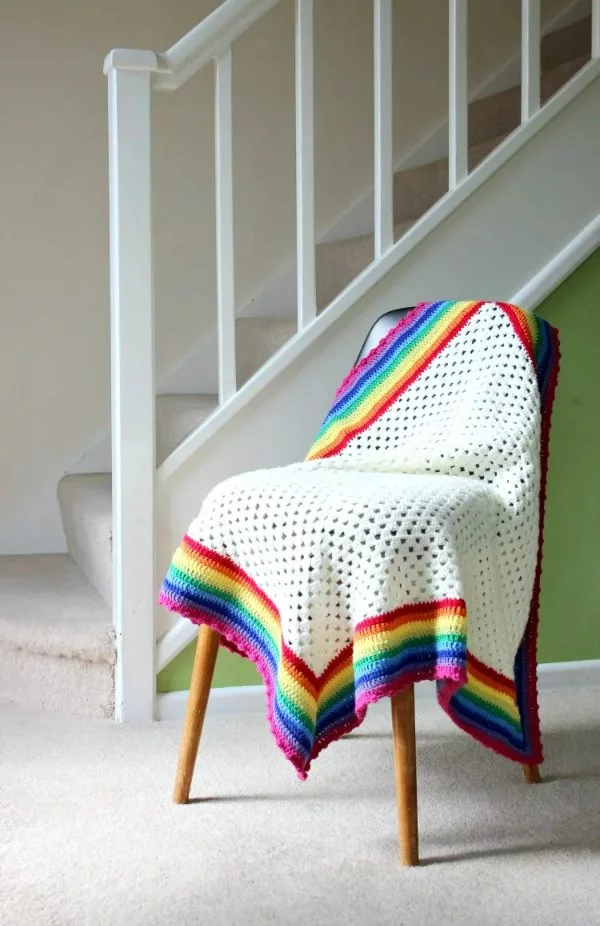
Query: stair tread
[47, 606]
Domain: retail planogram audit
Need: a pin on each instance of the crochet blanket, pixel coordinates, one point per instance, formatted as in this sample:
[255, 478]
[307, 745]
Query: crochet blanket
[406, 547]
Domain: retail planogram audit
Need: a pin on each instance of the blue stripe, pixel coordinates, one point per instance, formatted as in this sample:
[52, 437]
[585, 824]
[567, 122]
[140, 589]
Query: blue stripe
[214, 605]
[487, 723]
[426, 656]
[303, 739]
[410, 333]
[335, 714]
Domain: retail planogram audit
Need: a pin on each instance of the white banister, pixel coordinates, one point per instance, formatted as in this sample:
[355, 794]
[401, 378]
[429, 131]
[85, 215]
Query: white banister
[209, 39]
[305, 164]
[132, 372]
[225, 232]
[595, 28]
[384, 171]
[530, 58]
[458, 118]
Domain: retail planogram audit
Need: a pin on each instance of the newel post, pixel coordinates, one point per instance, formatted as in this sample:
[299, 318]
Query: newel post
[132, 380]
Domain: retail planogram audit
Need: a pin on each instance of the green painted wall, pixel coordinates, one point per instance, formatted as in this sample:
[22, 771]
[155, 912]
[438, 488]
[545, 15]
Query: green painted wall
[570, 607]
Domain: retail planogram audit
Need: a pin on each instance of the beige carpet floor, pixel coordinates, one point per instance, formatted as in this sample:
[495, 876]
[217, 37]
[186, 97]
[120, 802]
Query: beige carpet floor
[88, 834]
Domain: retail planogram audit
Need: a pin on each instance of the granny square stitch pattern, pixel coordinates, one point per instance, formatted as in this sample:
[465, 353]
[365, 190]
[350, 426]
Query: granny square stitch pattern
[407, 545]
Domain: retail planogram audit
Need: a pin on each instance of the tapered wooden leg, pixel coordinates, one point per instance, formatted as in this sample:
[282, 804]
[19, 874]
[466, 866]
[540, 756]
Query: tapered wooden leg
[405, 765]
[207, 648]
[532, 774]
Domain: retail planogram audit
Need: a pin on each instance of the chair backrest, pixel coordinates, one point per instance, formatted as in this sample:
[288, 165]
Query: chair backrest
[381, 327]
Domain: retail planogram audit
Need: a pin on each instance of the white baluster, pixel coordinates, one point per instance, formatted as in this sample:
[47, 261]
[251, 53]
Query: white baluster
[595, 28]
[133, 419]
[225, 234]
[305, 166]
[530, 58]
[458, 153]
[384, 171]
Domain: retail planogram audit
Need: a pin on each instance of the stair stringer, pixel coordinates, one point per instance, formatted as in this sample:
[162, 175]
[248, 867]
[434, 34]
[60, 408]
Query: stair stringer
[490, 246]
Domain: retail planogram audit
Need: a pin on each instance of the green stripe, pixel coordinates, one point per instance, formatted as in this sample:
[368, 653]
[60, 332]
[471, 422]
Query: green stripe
[488, 707]
[296, 710]
[338, 695]
[227, 598]
[393, 651]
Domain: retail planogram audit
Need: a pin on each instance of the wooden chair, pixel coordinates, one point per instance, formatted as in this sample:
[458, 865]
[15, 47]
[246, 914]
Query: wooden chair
[402, 704]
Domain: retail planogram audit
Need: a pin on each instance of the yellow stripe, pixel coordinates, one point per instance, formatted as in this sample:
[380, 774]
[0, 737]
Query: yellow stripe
[229, 584]
[342, 678]
[380, 639]
[504, 701]
[295, 691]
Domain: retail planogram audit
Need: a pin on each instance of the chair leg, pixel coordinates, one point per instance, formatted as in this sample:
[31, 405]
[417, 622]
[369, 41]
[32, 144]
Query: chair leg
[405, 765]
[532, 774]
[207, 648]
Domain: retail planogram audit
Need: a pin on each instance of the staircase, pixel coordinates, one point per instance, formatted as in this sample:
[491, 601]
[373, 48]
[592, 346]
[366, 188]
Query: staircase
[56, 633]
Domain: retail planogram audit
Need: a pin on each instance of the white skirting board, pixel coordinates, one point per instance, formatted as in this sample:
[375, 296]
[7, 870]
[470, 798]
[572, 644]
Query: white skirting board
[250, 699]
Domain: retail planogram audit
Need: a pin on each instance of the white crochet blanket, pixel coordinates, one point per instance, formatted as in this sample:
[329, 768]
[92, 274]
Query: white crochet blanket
[405, 547]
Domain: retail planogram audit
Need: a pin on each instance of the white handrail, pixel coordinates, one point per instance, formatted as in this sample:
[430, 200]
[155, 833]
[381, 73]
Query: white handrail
[530, 58]
[225, 226]
[305, 164]
[208, 39]
[384, 169]
[458, 112]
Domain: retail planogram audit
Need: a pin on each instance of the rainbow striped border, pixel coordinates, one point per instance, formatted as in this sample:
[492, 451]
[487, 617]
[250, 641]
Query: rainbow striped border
[388, 370]
[307, 712]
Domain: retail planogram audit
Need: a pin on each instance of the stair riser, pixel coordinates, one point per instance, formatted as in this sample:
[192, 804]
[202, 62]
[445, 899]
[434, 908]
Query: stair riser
[338, 263]
[68, 686]
[90, 546]
[257, 339]
[85, 504]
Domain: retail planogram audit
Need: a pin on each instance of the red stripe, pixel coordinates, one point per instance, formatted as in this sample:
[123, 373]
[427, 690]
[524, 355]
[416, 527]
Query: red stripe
[515, 315]
[410, 613]
[232, 570]
[490, 677]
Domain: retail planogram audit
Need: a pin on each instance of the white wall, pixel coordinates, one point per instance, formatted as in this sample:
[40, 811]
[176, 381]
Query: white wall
[54, 349]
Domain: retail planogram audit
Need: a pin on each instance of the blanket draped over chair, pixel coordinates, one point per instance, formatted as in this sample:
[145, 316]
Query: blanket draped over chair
[407, 546]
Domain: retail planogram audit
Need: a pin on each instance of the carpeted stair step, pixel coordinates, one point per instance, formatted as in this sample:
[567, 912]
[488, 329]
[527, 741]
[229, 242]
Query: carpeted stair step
[339, 262]
[490, 120]
[56, 637]
[417, 189]
[501, 113]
